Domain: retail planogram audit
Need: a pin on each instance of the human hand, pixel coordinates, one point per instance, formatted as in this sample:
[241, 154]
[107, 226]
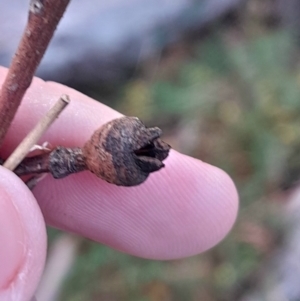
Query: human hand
[182, 210]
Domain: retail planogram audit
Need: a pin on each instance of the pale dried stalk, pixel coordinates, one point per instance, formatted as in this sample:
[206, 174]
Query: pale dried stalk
[32, 138]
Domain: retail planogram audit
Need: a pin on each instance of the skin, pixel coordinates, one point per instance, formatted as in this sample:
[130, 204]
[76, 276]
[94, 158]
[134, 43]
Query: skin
[182, 210]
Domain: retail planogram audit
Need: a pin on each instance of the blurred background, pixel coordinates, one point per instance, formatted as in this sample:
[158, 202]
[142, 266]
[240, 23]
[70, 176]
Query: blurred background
[222, 79]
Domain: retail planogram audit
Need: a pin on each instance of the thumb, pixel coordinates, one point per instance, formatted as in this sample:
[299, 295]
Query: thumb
[22, 239]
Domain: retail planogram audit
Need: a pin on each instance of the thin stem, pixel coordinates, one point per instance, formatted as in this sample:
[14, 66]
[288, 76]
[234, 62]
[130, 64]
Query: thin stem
[43, 18]
[60, 162]
[33, 165]
[32, 138]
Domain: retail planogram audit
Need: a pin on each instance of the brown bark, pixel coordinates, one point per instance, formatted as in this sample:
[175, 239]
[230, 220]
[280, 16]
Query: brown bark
[43, 18]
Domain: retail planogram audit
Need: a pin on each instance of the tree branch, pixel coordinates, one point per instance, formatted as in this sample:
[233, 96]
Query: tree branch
[43, 18]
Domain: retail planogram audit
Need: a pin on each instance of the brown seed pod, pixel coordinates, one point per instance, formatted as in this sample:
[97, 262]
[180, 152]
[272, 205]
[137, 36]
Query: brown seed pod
[123, 152]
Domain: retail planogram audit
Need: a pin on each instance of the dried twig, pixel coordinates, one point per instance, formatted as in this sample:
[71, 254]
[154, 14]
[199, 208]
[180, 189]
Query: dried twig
[43, 18]
[32, 138]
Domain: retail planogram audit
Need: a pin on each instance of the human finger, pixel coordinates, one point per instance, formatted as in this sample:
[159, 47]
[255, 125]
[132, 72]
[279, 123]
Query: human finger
[182, 210]
[23, 239]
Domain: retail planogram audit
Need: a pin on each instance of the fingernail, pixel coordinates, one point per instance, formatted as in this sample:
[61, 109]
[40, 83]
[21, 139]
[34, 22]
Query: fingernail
[12, 240]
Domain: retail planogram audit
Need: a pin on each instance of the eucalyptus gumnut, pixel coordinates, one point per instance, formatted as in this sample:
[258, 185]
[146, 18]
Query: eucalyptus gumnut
[124, 152]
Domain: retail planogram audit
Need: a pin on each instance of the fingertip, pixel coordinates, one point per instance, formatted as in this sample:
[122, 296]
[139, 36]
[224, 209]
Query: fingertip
[182, 210]
[204, 200]
[12, 239]
[23, 239]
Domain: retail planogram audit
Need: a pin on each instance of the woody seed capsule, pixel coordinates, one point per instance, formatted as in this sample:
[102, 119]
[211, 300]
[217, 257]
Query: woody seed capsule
[125, 152]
